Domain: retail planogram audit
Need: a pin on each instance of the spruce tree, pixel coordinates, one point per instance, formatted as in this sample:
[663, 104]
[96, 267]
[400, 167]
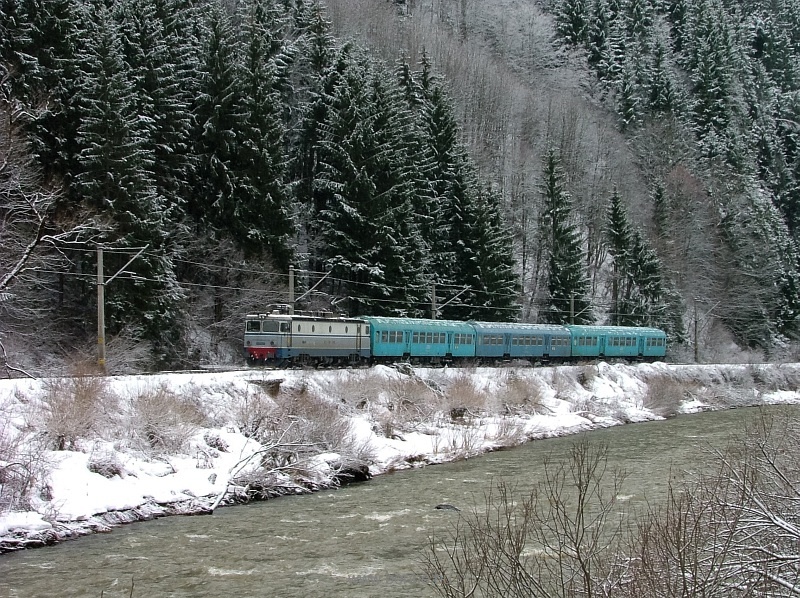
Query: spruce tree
[640, 294]
[567, 284]
[371, 240]
[218, 120]
[156, 66]
[114, 180]
[262, 221]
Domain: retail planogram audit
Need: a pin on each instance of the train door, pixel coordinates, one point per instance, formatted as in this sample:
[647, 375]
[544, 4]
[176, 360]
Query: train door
[358, 339]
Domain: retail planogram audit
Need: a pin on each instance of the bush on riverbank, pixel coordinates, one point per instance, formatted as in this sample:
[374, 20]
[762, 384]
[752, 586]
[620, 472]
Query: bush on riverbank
[732, 531]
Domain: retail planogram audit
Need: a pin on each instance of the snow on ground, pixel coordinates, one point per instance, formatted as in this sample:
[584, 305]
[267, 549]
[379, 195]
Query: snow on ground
[120, 460]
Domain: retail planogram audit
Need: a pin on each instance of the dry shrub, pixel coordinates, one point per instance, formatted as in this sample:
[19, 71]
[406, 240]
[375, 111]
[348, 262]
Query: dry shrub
[772, 378]
[463, 395]
[74, 409]
[509, 431]
[304, 424]
[253, 411]
[314, 421]
[665, 395]
[164, 421]
[21, 467]
[522, 394]
[106, 463]
[562, 383]
[356, 388]
[737, 377]
[586, 375]
[412, 400]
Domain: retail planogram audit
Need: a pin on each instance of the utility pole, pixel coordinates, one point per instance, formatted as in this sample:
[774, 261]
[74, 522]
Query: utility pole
[433, 301]
[101, 304]
[696, 347]
[291, 289]
[572, 308]
[101, 313]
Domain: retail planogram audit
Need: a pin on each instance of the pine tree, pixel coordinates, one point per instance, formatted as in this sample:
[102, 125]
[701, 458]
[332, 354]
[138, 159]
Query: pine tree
[262, 217]
[218, 119]
[114, 180]
[629, 97]
[156, 65]
[640, 294]
[465, 233]
[371, 239]
[662, 93]
[567, 284]
[597, 44]
[572, 18]
[497, 300]
[41, 47]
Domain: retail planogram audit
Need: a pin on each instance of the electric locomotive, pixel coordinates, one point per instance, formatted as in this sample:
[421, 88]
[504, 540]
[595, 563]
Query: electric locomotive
[318, 337]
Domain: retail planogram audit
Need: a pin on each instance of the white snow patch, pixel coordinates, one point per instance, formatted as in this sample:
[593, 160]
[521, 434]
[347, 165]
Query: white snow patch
[569, 399]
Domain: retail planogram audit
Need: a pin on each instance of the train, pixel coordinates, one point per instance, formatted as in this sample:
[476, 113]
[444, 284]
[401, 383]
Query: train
[284, 338]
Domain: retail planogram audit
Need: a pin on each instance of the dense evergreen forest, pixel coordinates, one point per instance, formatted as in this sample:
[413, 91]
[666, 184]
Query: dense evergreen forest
[623, 161]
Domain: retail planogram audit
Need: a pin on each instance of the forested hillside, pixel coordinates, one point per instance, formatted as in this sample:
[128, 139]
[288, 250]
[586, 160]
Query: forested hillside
[206, 148]
[673, 129]
[628, 162]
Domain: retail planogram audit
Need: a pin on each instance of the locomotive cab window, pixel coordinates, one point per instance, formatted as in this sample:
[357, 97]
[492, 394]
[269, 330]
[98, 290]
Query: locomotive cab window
[284, 327]
[253, 326]
[267, 326]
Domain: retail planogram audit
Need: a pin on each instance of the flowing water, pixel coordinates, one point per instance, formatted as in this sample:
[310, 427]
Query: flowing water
[362, 540]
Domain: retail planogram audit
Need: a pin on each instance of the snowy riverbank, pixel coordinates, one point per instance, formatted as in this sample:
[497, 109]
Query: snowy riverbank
[79, 455]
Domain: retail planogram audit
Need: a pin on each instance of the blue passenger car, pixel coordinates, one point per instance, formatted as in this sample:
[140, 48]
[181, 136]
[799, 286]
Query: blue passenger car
[420, 340]
[617, 341]
[521, 341]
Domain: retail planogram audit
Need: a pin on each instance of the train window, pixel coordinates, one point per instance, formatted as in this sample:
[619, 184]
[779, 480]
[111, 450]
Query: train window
[284, 326]
[269, 326]
[429, 337]
[330, 328]
[384, 336]
[345, 330]
[415, 337]
[298, 328]
[313, 328]
[253, 326]
[366, 329]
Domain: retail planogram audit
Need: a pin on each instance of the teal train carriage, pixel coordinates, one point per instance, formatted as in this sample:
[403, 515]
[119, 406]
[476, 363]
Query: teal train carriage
[618, 341]
[495, 340]
[420, 341]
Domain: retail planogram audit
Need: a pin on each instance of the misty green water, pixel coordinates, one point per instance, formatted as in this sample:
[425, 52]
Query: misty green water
[363, 540]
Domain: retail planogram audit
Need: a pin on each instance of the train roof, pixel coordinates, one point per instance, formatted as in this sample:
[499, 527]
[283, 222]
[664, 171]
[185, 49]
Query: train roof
[615, 330]
[521, 327]
[306, 317]
[418, 323]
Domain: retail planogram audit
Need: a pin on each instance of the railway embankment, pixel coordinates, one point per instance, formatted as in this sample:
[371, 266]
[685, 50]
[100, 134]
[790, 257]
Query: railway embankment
[82, 454]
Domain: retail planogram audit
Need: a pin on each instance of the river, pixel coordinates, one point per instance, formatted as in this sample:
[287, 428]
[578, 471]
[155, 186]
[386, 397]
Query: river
[360, 541]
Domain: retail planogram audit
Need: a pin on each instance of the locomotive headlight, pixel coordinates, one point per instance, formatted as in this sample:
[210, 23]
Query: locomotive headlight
[247, 344]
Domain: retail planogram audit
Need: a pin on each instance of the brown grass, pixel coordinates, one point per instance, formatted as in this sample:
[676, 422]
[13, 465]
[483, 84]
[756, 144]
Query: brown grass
[74, 409]
[522, 394]
[163, 421]
[665, 394]
[462, 395]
